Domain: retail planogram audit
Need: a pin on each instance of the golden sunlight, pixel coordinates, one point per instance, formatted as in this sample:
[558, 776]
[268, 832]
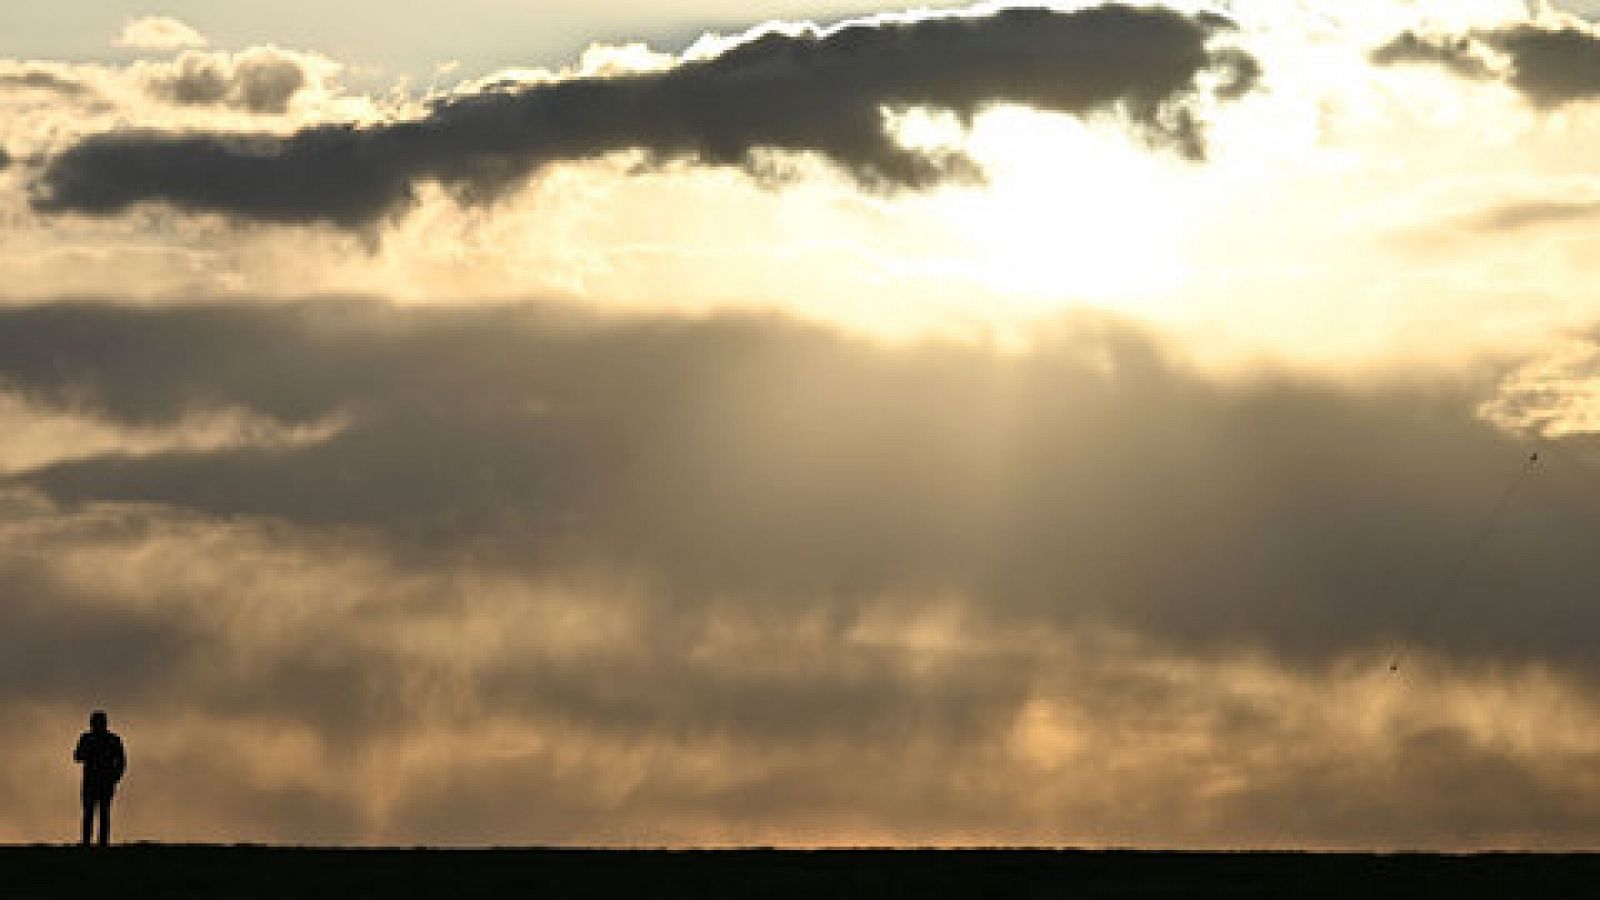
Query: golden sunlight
[1073, 213]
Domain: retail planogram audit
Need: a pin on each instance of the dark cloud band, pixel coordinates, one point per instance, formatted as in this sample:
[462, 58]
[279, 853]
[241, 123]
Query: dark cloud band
[764, 463]
[1550, 66]
[817, 92]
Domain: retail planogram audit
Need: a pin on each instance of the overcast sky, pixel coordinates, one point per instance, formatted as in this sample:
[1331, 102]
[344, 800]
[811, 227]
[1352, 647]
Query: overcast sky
[699, 422]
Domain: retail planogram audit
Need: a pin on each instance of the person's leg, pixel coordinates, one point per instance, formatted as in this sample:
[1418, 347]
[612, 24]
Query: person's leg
[87, 796]
[105, 816]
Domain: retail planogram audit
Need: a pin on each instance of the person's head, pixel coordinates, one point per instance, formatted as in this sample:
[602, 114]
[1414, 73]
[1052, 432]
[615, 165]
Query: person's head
[97, 720]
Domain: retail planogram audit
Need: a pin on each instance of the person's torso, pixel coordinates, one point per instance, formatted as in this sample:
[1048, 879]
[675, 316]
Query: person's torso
[102, 754]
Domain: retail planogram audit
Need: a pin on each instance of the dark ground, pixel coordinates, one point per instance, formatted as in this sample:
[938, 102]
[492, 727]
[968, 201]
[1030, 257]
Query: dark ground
[217, 873]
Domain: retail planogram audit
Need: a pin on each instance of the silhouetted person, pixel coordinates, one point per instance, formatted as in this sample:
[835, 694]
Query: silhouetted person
[100, 753]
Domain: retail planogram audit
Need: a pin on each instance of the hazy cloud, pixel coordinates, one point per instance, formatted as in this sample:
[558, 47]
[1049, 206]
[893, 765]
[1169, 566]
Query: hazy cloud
[1554, 395]
[279, 684]
[35, 437]
[758, 459]
[1516, 216]
[158, 33]
[804, 91]
[562, 577]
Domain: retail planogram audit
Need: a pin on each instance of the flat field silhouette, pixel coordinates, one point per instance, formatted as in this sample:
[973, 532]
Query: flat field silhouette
[220, 872]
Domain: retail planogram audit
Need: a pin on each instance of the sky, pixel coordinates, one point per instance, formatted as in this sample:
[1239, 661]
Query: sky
[1159, 424]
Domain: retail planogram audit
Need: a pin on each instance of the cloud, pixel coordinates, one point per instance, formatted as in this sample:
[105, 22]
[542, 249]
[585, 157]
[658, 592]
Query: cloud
[261, 80]
[1242, 231]
[1556, 394]
[1552, 64]
[563, 577]
[1461, 56]
[759, 459]
[801, 90]
[36, 437]
[158, 33]
[43, 80]
[1516, 216]
[276, 684]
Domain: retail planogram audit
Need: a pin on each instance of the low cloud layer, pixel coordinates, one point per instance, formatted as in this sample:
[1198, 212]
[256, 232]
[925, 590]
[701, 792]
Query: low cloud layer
[751, 459]
[804, 91]
[563, 578]
[1550, 64]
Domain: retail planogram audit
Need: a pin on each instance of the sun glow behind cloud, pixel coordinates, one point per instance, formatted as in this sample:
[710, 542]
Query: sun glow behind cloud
[1072, 214]
[1312, 234]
